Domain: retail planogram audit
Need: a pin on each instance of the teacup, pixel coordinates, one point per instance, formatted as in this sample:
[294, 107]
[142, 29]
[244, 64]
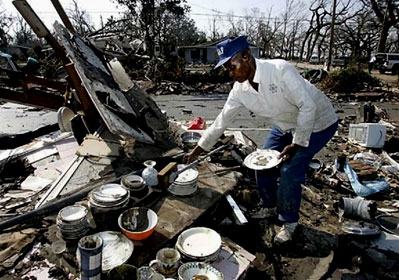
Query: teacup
[167, 261]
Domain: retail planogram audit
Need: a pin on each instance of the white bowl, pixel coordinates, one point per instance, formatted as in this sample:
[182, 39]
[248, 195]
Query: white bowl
[64, 117]
[189, 271]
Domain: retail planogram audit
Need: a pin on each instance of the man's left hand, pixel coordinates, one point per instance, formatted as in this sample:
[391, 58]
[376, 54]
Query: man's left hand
[288, 152]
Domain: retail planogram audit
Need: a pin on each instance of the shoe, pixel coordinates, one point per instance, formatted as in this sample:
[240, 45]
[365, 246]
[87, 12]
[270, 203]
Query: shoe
[286, 232]
[263, 213]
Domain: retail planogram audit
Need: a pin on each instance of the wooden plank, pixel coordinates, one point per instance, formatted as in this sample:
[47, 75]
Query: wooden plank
[176, 214]
[34, 97]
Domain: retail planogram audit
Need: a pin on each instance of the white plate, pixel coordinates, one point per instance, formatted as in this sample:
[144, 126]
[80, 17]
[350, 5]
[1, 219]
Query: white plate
[109, 193]
[262, 159]
[117, 249]
[199, 242]
[180, 190]
[188, 271]
[73, 213]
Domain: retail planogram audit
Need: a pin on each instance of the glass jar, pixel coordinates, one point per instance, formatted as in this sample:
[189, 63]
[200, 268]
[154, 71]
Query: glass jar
[150, 174]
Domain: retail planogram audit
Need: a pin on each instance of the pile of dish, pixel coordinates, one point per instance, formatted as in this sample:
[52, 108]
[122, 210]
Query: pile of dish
[186, 182]
[108, 197]
[199, 244]
[72, 222]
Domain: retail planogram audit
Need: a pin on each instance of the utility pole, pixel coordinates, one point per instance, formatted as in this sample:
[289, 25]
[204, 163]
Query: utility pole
[331, 35]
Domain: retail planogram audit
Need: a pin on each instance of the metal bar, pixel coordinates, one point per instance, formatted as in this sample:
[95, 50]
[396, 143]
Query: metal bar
[236, 210]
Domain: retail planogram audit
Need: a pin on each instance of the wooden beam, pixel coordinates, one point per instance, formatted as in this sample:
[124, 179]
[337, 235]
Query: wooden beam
[34, 97]
[61, 12]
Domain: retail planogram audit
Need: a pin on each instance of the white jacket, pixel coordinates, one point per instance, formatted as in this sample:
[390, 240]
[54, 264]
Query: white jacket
[286, 99]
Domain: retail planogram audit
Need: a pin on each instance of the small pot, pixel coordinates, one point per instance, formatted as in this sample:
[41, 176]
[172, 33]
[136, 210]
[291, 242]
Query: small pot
[190, 138]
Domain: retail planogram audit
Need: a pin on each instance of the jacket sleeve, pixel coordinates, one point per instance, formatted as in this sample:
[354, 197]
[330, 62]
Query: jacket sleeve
[230, 110]
[297, 93]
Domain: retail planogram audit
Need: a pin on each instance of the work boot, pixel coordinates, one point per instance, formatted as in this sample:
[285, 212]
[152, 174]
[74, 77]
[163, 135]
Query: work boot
[263, 213]
[286, 232]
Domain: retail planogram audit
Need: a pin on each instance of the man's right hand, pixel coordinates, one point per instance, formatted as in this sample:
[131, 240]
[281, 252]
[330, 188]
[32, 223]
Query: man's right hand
[193, 155]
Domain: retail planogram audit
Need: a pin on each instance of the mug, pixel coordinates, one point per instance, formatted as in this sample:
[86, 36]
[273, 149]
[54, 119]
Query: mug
[167, 261]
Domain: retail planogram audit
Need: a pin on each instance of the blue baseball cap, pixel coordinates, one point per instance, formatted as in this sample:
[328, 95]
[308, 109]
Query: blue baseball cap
[230, 47]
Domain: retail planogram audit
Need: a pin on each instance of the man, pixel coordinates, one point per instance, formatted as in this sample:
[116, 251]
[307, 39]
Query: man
[303, 122]
[371, 63]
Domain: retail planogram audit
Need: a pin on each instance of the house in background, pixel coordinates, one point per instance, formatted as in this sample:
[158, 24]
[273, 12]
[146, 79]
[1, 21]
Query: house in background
[206, 53]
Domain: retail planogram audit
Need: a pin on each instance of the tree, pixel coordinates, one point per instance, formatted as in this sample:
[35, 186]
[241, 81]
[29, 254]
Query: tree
[23, 33]
[80, 20]
[150, 14]
[5, 24]
[387, 13]
[292, 8]
[214, 24]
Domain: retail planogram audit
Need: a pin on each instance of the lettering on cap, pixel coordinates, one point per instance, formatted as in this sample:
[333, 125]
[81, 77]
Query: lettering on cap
[220, 51]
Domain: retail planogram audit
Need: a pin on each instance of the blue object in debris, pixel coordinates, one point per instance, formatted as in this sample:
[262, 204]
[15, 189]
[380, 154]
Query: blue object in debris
[368, 187]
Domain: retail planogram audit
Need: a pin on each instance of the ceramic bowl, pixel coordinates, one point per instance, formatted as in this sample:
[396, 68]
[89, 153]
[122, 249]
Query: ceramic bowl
[199, 271]
[124, 271]
[64, 117]
[138, 223]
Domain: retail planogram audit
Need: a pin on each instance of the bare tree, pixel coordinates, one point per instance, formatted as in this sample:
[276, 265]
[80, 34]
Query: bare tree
[23, 33]
[268, 29]
[236, 26]
[292, 8]
[214, 27]
[80, 19]
[5, 24]
[320, 25]
[387, 13]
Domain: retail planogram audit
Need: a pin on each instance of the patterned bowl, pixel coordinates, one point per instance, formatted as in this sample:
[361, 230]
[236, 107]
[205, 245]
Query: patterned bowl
[199, 271]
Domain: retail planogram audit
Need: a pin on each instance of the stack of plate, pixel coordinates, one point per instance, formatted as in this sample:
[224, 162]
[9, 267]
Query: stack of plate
[185, 183]
[72, 222]
[199, 244]
[135, 184]
[108, 197]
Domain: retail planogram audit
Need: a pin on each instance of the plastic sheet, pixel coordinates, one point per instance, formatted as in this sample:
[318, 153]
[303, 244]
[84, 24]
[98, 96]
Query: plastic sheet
[368, 187]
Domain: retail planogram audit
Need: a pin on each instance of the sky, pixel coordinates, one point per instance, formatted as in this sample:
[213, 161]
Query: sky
[201, 10]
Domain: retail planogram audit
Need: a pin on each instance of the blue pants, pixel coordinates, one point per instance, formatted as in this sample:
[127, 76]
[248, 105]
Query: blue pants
[287, 196]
